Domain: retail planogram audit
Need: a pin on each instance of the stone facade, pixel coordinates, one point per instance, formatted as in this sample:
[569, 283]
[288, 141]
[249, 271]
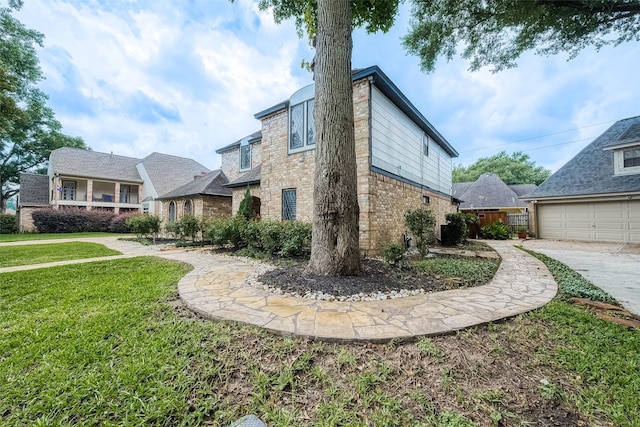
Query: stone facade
[203, 206]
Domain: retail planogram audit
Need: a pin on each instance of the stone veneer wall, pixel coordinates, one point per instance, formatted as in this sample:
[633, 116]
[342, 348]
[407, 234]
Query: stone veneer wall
[230, 163]
[203, 206]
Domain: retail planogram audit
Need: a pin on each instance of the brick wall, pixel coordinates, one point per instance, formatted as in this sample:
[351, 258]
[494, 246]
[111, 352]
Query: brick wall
[390, 199]
[238, 195]
[383, 201]
[230, 162]
[203, 206]
[25, 219]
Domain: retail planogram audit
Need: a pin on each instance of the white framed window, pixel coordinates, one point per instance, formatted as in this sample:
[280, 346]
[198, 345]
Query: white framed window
[627, 160]
[289, 202]
[302, 127]
[68, 190]
[245, 155]
[425, 145]
[125, 192]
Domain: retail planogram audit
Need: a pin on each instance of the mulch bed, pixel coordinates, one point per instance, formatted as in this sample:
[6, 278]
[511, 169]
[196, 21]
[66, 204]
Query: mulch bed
[376, 277]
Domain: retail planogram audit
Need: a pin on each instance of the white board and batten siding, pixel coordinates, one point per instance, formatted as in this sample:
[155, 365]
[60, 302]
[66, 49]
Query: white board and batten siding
[606, 221]
[397, 147]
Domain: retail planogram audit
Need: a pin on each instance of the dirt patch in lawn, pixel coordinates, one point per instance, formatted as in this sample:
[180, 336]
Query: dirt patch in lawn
[493, 375]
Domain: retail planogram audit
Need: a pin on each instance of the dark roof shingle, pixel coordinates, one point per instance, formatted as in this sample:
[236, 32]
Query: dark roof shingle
[250, 178]
[211, 184]
[93, 164]
[487, 192]
[591, 171]
[34, 189]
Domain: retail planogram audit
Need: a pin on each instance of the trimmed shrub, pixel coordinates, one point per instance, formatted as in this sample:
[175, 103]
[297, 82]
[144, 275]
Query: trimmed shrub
[394, 255]
[224, 231]
[295, 238]
[187, 226]
[71, 220]
[496, 231]
[421, 223]
[144, 225]
[456, 229]
[118, 223]
[8, 224]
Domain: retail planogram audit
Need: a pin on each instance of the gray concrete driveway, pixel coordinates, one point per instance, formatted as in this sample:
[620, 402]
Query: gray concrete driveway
[613, 267]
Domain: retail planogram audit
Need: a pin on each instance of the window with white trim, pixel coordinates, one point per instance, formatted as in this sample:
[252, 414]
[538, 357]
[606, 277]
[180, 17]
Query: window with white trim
[301, 127]
[627, 160]
[289, 202]
[68, 190]
[245, 155]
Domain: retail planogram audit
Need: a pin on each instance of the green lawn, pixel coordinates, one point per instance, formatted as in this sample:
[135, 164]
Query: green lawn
[47, 236]
[106, 343]
[11, 256]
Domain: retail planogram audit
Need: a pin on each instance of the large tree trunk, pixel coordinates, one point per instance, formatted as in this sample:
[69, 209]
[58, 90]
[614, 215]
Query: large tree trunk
[335, 249]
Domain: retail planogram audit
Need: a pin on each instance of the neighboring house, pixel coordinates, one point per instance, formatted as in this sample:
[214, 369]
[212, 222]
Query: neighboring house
[204, 196]
[403, 162]
[92, 180]
[490, 194]
[596, 195]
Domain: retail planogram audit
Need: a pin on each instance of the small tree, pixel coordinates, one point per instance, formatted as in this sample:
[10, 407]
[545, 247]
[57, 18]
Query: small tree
[421, 222]
[245, 209]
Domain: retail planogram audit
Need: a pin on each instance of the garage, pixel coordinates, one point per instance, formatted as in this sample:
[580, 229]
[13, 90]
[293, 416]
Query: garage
[606, 221]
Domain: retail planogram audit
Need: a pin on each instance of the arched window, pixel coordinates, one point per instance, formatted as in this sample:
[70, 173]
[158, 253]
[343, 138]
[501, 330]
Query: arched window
[188, 207]
[172, 212]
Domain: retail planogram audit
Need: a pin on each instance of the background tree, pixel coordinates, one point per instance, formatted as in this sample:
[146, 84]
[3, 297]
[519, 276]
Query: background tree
[516, 168]
[335, 248]
[497, 32]
[28, 128]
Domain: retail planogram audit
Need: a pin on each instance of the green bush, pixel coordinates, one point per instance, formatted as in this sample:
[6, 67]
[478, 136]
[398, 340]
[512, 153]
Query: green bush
[496, 231]
[224, 231]
[421, 223]
[8, 224]
[295, 239]
[394, 255]
[187, 226]
[144, 225]
[456, 229]
[271, 232]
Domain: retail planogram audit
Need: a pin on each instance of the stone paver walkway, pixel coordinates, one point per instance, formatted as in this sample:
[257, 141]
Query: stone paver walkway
[216, 289]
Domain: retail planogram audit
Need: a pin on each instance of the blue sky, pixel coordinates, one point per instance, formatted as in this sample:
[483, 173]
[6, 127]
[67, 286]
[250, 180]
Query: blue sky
[185, 78]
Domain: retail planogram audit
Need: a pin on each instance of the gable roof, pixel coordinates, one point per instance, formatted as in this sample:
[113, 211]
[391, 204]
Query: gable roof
[93, 164]
[391, 91]
[34, 189]
[250, 178]
[591, 171]
[254, 137]
[166, 172]
[211, 184]
[488, 192]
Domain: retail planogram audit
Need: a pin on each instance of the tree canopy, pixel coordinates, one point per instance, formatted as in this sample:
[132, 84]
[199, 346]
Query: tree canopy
[516, 168]
[496, 32]
[28, 128]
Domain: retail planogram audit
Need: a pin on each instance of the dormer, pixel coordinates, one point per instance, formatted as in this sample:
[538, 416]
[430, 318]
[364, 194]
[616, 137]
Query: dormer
[626, 152]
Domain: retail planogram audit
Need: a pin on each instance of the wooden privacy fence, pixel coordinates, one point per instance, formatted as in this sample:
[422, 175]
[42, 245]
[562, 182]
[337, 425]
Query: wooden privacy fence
[487, 218]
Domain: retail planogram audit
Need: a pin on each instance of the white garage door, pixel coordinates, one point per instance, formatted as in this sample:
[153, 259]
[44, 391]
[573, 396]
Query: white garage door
[598, 221]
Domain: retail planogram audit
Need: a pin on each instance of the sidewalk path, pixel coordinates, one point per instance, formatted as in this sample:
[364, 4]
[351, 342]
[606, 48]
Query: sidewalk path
[216, 289]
